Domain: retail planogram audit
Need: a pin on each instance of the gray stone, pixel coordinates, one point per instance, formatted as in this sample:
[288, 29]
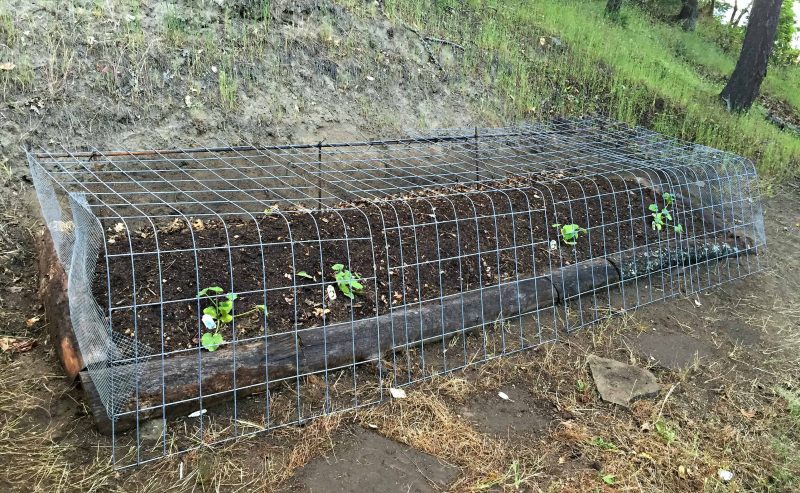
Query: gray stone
[620, 383]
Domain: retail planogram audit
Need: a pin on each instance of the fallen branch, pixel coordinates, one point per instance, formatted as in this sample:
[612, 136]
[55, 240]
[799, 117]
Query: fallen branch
[444, 42]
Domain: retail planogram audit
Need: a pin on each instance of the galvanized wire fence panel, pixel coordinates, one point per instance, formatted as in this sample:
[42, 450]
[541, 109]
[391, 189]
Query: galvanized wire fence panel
[219, 292]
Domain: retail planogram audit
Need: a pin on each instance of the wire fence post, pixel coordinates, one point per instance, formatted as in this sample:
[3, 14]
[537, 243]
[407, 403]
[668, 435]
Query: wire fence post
[319, 175]
[477, 159]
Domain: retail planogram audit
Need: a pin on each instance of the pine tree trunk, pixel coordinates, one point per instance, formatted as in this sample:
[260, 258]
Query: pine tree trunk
[690, 20]
[613, 6]
[688, 15]
[743, 86]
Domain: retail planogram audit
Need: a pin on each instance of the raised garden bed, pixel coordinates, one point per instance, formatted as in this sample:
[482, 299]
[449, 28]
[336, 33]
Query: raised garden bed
[204, 290]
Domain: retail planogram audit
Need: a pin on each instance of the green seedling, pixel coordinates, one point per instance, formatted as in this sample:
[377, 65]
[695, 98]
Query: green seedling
[609, 479]
[581, 386]
[666, 431]
[271, 210]
[349, 283]
[304, 275]
[602, 444]
[570, 232]
[663, 215]
[218, 313]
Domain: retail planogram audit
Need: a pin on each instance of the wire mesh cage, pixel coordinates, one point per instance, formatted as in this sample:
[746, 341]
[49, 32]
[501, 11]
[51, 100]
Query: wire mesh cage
[221, 292]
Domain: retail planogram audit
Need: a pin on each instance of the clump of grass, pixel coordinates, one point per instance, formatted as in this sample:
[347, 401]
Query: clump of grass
[228, 88]
[175, 25]
[8, 32]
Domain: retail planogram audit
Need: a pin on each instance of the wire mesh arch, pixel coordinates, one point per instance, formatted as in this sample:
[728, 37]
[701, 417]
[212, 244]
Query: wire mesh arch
[324, 274]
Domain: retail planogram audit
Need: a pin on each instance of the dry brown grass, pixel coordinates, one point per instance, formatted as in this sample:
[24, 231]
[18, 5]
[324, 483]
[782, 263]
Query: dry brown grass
[425, 422]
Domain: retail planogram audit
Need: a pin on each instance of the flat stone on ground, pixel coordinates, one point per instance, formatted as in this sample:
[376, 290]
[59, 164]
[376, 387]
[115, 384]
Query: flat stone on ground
[673, 350]
[620, 383]
[368, 462]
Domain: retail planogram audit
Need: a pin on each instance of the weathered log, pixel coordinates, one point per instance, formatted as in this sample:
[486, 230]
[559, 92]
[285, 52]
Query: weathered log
[53, 293]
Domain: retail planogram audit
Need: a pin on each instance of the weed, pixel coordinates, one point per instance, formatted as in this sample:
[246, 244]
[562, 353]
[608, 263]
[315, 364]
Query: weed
[304, 275]
[570, 232]
[602, 443]
[581, 386]
[348, 282]
[218, 314]
[666, 431]
[609, 479]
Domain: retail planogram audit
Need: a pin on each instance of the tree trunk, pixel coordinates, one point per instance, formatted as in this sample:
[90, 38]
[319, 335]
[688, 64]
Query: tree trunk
[688, 14]
[733, 12]
[745, 82]
[613, 6]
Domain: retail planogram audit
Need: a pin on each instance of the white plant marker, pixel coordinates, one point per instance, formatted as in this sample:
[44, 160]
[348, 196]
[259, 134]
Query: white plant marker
[397, 393]
[197, 414]
[331, 292]
[209, 322]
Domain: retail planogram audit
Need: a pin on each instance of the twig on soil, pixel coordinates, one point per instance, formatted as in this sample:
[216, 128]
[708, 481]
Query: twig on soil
[427, 46]
[444, 42]
[664, 402]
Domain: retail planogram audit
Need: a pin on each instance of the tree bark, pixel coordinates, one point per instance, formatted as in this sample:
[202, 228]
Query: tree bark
[688, 14]
[733, 12]
[743, 86]
[613, 6]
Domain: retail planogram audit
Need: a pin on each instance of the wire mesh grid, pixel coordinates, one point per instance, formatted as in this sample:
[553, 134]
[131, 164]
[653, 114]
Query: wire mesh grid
[223, 291]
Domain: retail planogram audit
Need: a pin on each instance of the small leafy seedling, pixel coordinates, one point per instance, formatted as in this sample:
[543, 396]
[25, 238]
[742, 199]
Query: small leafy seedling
[218, 313]
[666, 431]
[663, 215]
[609, 479]
[570, 232]
[349, 283]
[581, 386]
[602, 443]
[304, 275]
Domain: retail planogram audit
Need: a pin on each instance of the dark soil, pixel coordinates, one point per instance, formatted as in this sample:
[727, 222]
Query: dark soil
[406, 250]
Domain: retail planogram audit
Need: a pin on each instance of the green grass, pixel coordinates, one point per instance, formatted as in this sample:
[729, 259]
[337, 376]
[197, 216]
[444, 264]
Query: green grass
[635, 69]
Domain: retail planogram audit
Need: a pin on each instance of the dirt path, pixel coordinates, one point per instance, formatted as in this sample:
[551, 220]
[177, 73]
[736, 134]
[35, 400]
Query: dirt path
[726, 362]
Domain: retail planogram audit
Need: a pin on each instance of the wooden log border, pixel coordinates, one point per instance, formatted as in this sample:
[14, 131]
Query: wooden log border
[175, 379]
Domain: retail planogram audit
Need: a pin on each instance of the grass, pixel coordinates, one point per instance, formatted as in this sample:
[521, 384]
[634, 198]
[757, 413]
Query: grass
[638, 70]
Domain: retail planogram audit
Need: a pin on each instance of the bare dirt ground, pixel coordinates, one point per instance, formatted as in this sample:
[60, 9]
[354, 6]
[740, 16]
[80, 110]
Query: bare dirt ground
[727, 360]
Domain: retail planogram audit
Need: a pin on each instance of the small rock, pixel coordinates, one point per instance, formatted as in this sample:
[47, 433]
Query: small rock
[397, 393]
[620, 383]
